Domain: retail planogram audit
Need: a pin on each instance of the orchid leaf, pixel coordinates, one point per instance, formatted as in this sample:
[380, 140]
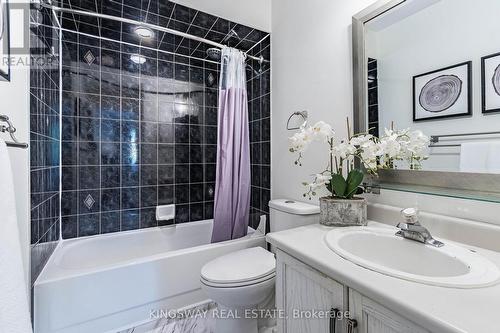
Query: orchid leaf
[338, 185]
[354, 179]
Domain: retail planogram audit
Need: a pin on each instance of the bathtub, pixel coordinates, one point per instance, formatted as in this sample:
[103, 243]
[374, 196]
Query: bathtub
[110, 282]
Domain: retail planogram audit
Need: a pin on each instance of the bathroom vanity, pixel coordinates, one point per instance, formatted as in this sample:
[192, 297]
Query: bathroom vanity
[302, 288]
[310, 276]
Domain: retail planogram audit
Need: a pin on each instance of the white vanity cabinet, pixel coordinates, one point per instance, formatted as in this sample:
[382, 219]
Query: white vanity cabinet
[374, 318]
[306, 297]
[300, 289]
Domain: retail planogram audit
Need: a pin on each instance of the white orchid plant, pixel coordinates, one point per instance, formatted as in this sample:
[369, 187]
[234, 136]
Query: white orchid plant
[403, 145]
[341, 177]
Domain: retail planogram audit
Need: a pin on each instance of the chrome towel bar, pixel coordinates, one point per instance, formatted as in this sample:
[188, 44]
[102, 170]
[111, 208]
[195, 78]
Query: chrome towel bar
[11, 130]
[435, 139]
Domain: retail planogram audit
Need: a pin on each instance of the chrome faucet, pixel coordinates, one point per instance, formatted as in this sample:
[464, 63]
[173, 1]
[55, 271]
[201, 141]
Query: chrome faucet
[412, 229]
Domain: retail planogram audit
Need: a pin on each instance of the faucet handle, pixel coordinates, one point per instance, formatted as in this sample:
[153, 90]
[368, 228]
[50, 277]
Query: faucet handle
[410, 215]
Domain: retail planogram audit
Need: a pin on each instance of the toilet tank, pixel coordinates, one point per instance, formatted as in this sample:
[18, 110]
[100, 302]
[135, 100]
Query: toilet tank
[288, 214]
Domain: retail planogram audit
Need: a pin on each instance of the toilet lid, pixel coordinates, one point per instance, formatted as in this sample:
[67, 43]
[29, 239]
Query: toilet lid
[240, 266]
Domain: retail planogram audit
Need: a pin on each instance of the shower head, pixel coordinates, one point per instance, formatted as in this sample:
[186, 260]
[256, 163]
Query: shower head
[231, 34]
[214, 53]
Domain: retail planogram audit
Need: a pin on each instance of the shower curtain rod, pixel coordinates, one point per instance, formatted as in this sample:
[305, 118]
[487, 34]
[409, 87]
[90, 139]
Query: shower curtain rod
[143, 24]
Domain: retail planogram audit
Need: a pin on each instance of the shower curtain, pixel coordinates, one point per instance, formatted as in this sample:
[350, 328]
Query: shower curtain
[232, 184]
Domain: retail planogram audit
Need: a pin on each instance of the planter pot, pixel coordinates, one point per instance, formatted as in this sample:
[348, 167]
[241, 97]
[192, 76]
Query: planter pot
[342, 212]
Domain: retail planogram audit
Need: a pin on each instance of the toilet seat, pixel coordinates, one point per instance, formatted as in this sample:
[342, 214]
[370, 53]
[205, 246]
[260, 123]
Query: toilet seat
[238, 284]
[241, 268]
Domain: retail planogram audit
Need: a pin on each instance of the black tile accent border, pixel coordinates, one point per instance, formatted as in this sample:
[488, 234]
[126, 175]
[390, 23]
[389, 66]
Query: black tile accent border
[259, 109]
[44, 141]
[373, 120]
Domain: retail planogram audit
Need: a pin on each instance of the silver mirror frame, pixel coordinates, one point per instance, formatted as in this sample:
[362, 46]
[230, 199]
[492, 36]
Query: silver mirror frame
[360, 66]
[430, 182]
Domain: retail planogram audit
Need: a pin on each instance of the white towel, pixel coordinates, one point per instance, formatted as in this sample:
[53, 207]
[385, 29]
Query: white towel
[14, 310]
[474, 157]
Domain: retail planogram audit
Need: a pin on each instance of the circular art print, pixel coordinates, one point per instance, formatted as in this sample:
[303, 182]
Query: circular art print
[496, 80]
[440, 93]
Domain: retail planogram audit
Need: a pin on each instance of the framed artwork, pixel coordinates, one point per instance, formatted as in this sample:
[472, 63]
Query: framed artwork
[443, 93]
[4, 41]
[490, 83]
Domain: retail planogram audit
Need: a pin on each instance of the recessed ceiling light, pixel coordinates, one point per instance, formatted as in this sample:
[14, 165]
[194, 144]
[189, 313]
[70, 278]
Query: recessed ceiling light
[144, 32]
[137, 58]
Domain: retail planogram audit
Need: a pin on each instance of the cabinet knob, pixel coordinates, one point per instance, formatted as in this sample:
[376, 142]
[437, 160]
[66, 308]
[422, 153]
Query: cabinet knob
[352, 324]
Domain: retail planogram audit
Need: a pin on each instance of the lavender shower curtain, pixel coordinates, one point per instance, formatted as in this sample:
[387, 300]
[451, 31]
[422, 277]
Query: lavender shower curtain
[232, 187]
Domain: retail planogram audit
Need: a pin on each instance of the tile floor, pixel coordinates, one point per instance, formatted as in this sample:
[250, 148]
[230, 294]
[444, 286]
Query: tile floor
[201, 320]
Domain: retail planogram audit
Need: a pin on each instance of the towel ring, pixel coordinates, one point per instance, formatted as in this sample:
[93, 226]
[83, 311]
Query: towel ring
[303, 114]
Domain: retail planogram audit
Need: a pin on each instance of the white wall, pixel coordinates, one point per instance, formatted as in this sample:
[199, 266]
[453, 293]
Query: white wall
[422, 43]
[14, 102]
[311, 70]
[254, 13]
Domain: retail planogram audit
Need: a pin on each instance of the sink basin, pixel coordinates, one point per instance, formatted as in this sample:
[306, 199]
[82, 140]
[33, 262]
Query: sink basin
[378, 249]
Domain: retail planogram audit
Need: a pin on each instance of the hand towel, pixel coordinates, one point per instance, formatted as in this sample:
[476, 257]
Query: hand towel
[14, 310]
[474, 157]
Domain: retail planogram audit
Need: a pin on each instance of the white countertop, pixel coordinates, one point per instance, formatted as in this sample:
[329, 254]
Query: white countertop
[436, 309]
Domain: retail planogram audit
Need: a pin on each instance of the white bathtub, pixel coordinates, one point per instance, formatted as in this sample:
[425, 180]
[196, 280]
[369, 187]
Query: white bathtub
[110, 282]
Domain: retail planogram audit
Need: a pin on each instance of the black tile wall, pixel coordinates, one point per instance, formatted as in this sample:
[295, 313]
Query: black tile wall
[44, 139]
[373, 123]
[140, 135]
[259, 109]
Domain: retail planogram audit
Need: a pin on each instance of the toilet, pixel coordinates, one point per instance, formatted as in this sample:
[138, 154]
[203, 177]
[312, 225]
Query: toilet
[244, 280]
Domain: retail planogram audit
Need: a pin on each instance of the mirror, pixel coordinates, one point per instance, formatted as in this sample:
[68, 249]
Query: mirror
[433, 66]
[425, 73]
